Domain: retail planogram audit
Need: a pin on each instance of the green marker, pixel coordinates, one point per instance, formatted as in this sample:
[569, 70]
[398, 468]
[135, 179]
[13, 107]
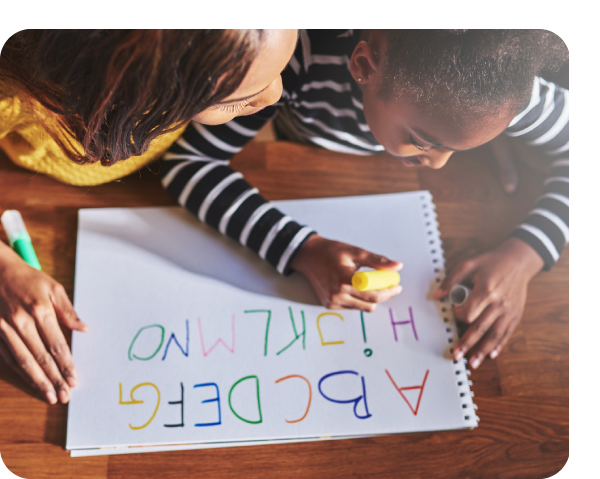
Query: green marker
[19, 238]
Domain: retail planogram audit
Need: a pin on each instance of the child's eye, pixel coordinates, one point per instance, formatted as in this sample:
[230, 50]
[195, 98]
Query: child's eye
[235, 107]
[422, 148]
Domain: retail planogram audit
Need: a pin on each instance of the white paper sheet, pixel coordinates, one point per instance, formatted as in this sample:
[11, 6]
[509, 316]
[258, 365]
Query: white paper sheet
[195, 340]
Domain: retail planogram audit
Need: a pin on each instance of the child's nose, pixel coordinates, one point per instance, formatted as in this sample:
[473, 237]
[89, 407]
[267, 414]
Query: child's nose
[437, 160]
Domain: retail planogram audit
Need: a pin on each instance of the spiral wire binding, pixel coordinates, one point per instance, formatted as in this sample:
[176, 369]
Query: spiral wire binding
[434, 243]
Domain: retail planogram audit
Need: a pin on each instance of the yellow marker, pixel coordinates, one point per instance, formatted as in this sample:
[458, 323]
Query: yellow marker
[378, 279]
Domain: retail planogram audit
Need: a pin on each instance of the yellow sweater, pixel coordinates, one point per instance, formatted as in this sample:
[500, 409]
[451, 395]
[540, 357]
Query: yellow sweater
[27, 144]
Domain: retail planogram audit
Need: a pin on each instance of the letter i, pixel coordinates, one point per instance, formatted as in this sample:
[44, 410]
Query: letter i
[368, 351]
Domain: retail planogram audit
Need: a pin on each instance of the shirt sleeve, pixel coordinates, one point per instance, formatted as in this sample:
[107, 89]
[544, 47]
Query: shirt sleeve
[544, 124]
[196, 172]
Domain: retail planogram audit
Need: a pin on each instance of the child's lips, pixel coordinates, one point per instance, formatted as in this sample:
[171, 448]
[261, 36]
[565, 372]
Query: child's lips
[411, 161]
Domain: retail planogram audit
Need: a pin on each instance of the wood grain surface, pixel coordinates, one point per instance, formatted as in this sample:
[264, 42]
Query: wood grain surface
[523, 395]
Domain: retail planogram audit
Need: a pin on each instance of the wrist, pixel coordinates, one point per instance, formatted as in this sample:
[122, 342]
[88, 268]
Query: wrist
[301, 259]
[529, 260]
[7, 254]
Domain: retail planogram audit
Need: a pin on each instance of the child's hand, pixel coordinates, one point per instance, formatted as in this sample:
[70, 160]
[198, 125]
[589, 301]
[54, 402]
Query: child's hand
[31, 341]
[504, 156]
[329, 266]
[495, 305]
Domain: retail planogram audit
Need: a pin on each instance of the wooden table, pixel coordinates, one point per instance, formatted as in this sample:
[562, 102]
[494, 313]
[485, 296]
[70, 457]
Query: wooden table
[523, 395]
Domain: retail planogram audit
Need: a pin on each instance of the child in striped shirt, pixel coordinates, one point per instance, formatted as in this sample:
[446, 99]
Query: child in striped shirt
[420, 96]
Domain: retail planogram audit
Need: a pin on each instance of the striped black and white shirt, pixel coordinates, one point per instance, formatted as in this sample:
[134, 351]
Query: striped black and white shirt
[325, 106]
[544, 124]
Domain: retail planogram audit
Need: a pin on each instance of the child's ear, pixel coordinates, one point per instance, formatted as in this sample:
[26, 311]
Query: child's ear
[364, 64]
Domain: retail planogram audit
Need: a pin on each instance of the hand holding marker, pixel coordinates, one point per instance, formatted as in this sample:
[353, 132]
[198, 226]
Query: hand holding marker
[383, 278]
[31, 341]
[378, 279]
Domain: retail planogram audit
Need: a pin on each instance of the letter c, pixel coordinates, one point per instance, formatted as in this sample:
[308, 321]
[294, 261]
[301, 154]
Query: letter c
[309, 394]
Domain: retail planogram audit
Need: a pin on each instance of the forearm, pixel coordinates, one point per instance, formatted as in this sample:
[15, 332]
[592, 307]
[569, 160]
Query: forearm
[220, 197]
[544, 124]
[527, 259]
[546, 228]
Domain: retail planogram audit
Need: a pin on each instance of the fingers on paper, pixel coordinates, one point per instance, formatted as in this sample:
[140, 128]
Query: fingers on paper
[377, 296]
[493, 340]
[476, 304]
[512, 325]
[475, 332]
[350, 298]
[459, 274]
[46, 342]
[64, 309]
[7, 356]
[350, 302]
[25, 361]
[54, 353]
[34, 333]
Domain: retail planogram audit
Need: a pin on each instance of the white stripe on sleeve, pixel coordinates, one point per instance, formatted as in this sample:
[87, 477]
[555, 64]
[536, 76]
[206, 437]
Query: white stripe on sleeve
[333, 146]
[548, 109]
[276, 228]
[342, 135]
[329, 59]
[216, 191]
[543, 238]
[224, 222]
[319, 85]
[258, 212]
[555, 196]
[357, 103]
[242, 130]
[193, 181]
[300, 235]
[327, 106]
[177, 156]
[562, 120]
[214, 140]
[555, 219]
[556, 178]
[184, 144]
[559, 150]
[166, 181]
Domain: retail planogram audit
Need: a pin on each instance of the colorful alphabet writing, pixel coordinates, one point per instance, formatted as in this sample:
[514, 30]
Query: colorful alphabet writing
[158, 346]
[179, 358]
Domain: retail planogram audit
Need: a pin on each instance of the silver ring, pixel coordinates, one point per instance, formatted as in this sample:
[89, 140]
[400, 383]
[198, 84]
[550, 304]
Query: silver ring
[459, 294]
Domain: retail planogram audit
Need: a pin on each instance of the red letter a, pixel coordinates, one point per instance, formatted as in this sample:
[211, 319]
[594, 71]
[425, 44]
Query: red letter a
[420, 388]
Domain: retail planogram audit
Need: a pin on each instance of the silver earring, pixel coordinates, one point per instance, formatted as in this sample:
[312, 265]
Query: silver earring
[359, 79]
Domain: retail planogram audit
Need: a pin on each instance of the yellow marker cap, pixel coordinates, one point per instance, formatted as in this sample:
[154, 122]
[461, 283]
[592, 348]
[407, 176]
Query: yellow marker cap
[378, 279]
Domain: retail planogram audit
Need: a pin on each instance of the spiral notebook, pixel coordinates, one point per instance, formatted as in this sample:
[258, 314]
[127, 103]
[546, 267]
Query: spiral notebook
[195, 342]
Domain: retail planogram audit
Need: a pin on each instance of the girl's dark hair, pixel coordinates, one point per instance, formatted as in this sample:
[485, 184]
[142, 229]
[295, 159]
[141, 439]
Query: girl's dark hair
[467, 73]
[114, 91]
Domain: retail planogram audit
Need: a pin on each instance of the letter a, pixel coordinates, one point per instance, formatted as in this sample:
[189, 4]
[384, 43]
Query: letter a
[420, 388]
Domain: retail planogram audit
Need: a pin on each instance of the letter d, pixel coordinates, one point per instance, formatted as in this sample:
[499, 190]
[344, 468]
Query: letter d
[257, 400]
